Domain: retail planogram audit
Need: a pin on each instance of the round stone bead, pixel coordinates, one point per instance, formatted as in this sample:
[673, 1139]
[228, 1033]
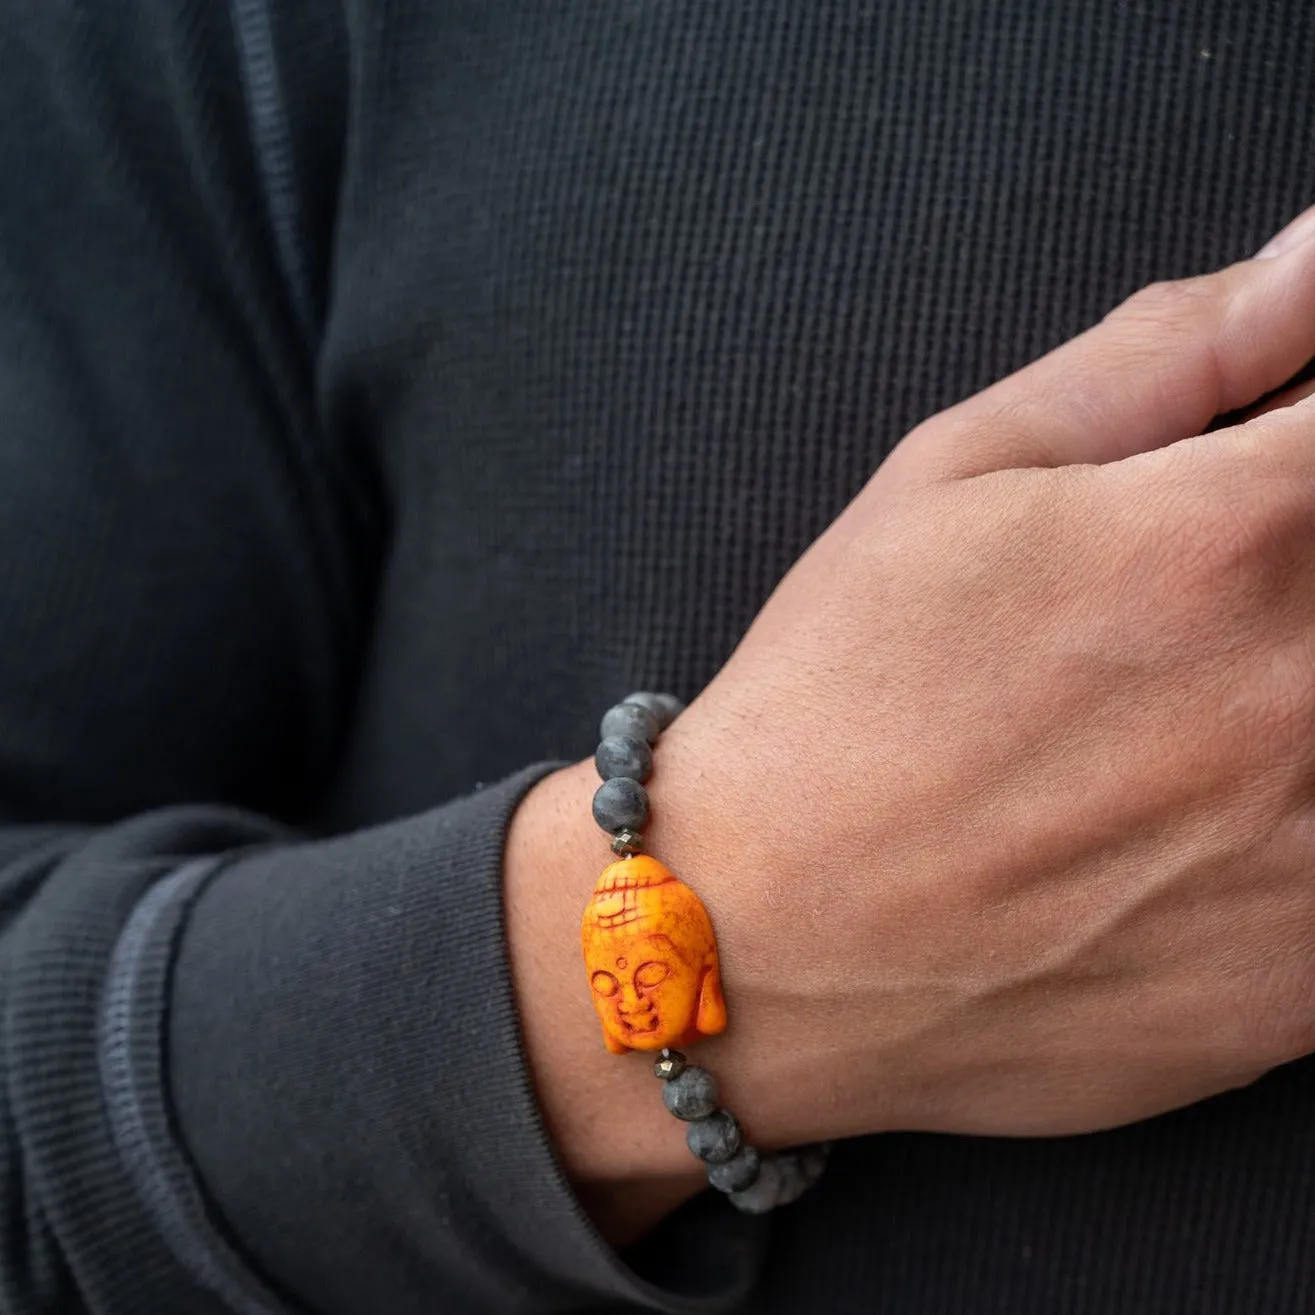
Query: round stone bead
[764, 1193]
[632, 720]
[691, 1095]
[621, 805]
[665, 707]
[622, 755]
[669, 1064]
[737, 1173]
[795, 1181]
[812, 1159]
[714, 1139]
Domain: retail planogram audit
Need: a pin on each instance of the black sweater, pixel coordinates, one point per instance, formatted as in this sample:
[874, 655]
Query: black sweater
[383, 390]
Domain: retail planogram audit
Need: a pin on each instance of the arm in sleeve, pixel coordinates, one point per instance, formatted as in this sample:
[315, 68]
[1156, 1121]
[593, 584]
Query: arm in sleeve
[247, 1071]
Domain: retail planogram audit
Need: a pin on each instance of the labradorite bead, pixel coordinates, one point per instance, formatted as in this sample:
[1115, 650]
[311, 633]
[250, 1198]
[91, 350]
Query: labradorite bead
[737, 1173]
[621, 805]
[714, 1139]
[691, 1095]
[794, 1180]
[632, 720]
[665, 707]
[623, 755]
[765, 1191]
[813, 1159]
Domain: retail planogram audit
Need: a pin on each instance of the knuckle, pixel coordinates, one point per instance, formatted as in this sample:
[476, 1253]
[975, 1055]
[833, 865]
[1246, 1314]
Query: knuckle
[1181, 320]
[1172, 303]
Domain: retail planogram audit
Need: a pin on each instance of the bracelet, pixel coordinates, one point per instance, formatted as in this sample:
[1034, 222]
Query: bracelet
[651, 955]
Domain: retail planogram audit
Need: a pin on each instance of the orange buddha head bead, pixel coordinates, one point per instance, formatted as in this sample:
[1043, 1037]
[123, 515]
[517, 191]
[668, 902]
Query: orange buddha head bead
[651, 954]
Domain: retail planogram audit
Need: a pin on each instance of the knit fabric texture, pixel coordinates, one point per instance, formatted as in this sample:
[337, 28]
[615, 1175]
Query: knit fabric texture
[387, 387]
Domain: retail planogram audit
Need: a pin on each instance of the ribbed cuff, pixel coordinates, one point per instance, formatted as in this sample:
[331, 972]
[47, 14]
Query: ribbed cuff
[82, 1206]
[131, 1061]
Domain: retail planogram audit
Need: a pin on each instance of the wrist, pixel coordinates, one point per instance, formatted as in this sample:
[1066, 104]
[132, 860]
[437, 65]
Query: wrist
[702, 830]
[612, 1136]
[783, 1062]
[617, 1144]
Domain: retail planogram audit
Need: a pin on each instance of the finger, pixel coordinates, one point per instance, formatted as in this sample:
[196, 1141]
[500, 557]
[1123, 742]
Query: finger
[1257, 478]
[1291, 391]
[1157, 369]
[1288, 397]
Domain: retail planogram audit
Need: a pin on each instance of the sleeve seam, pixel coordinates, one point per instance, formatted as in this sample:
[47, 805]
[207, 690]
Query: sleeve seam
[131, 1063]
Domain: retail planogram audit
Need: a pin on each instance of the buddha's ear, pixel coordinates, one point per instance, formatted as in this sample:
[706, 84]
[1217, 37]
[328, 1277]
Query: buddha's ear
[615, 1046]
[712, 1004]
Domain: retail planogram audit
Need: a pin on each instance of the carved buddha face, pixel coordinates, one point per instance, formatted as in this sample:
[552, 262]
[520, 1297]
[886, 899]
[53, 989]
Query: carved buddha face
[652, 959]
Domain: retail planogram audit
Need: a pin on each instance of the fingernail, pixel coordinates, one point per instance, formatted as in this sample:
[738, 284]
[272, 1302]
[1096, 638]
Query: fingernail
[1290, 238]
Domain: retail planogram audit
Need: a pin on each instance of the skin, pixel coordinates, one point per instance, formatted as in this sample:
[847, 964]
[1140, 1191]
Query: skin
[1051, 871]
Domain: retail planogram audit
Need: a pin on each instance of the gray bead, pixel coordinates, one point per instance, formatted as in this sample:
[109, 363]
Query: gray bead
[764, 1193]
[621, 805]
[714, 1139]
[669, 1064]
[806, 1167]
[632, 720]
[812, 1159]
[665, 707]
[737, 1173]
[794, 1180]
[692, 1095]
[623, 755]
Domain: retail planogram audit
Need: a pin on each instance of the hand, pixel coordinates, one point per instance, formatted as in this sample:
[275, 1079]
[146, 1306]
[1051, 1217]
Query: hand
[1005, 807]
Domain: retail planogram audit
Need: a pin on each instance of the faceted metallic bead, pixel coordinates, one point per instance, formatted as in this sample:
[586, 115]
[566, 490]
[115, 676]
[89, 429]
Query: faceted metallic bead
[670, 1064]
[626, 844]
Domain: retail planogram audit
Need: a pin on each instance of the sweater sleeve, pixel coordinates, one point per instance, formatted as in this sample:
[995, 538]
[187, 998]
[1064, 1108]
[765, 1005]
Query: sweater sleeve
[247, 1070]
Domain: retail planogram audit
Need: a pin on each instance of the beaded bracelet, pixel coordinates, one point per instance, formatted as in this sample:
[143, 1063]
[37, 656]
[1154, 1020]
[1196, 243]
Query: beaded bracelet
[651, 955]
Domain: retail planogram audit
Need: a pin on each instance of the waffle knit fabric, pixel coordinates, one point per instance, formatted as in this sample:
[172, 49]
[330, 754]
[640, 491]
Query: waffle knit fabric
[385, 388]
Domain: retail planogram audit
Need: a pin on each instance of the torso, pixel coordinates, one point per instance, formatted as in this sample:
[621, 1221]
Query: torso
[676, 277]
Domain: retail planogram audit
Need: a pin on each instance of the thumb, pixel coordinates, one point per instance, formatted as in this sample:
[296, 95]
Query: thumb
[1157, 369]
